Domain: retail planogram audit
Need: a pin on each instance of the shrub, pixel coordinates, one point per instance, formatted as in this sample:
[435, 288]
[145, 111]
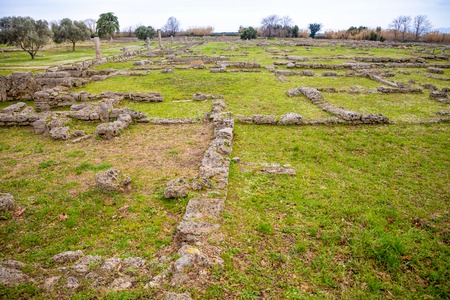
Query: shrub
[248, 33]
[142, 32]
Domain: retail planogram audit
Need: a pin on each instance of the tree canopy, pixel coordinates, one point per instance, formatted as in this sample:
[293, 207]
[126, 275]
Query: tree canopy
[70, 31]
[274, 25]
[25, 33]
[107, 24]
[142, 32]
[314, 28]
[247, 33]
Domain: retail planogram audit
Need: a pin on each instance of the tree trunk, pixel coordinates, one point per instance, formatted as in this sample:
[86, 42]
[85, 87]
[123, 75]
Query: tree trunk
[73, 46]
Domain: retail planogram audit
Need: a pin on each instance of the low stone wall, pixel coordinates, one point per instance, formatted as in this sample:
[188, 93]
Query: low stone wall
[18, 114]
[392, 90]
[60, 97]
[287, 119]
[238, 64]
[349, 116]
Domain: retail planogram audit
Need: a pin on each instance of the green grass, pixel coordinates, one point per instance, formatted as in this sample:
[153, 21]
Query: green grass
[245, 93]
[366, 216]
[398, 107]
[20, 61]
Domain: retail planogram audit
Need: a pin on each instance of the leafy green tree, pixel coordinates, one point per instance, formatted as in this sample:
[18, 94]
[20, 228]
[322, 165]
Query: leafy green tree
[295, 31]
[107, 24]
[25, 33]
[142, 32]
[70, 31]
[247, 33]
[314, 28]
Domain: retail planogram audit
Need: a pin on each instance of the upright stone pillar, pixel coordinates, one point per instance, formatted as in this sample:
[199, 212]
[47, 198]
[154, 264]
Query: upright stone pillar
[159, 39]
[147, 41]
[98, 51]
[171, 39]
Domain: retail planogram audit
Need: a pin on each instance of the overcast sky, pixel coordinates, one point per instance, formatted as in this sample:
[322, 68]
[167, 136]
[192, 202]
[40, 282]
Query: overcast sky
[228, 15]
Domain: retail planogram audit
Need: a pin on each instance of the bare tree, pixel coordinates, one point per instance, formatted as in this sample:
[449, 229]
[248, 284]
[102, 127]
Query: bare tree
[269, 25]
[286, 27]
[172, 26]
[401, 25]
[421, 25]
[406, 25]
[396, 25]
[91, 24]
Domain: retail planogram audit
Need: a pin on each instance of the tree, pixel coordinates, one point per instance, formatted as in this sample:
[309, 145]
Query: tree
[70, 31]
[421, 25]
[247, 33]
[314, 28]
[269, 25]
[91, 24]
[295, 31]
[107, 24]
[401, 24]
[142, 32]
[172, 26]
[286, 27]
[405, 25]
[25, 33]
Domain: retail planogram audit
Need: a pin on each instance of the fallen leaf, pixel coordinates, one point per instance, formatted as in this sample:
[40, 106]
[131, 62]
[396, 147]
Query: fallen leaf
[62, 217]
[124, 208]
[304, 287]
[406, 257]
[19, 212]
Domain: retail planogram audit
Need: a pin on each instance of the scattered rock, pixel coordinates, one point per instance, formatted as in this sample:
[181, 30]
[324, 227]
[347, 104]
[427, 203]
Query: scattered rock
[134, 262]
[6, 202]
[110, 264]
[60, 133]
[79, 133]
[12, 276]
[236, 159]
[39, 127]
[109, 130]
[68, 256]
[122, 283]
[84, 263]
[111, 180]
[176, 188]
[17, 107]
[82, 138]
[174, 296]
[72, 283]
[50, 283]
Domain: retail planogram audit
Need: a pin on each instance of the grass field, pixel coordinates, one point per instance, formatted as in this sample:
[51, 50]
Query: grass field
[365, 217]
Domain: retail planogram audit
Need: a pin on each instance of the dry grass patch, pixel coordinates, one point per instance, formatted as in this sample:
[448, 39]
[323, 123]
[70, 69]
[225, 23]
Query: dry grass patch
[52, 178]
